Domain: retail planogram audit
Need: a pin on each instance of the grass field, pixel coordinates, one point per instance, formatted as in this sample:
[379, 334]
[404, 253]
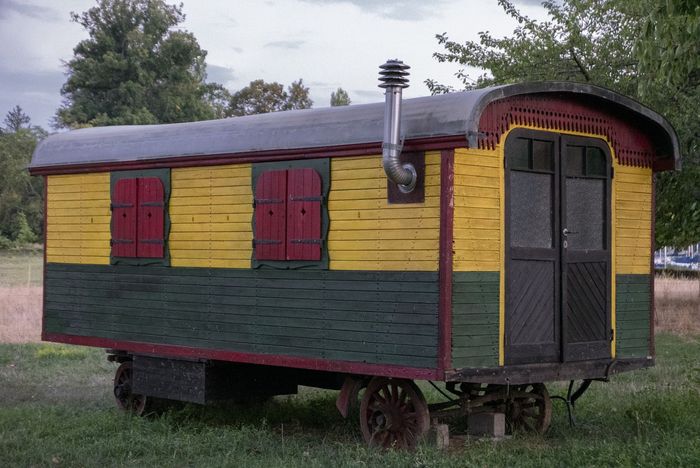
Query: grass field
[21, 276]
[56, 410]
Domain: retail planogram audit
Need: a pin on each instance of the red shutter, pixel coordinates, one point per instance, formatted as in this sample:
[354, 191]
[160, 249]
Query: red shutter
[151, 219]
[304, 214]
[270, 221]
[124, 195]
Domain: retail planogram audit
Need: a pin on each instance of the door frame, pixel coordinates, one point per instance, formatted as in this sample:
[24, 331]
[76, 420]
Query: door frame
[523, 353]
[559, 178]
[583, 352]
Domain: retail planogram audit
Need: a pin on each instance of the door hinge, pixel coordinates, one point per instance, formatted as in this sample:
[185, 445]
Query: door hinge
[612, 334]
[612, 172]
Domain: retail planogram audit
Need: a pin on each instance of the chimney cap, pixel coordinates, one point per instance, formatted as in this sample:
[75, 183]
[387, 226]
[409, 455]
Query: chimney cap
[393, 74]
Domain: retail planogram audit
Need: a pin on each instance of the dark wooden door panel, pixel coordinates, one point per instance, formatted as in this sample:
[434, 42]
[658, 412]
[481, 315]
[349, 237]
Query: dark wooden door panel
[585, 254]
[557, 248]
[586, 304]
[531, 325]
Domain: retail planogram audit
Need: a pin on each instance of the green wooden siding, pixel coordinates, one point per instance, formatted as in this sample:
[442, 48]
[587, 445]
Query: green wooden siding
[374, 317]
[475, 298]
[632, 306]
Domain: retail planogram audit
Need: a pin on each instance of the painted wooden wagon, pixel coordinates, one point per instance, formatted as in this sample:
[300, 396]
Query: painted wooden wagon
[511, 245]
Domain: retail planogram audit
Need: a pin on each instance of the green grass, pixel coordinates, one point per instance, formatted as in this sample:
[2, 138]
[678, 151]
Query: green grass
[21, 268]
[56, 409]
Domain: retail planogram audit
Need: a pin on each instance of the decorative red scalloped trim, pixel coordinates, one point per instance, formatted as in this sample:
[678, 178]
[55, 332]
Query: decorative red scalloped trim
[631, 145]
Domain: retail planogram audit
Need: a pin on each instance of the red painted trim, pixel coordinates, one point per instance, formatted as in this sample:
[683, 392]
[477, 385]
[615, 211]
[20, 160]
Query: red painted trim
[632, 143]
[652, 276]
[423, 144]
[43, 279]
[446, 253]
[250, 358]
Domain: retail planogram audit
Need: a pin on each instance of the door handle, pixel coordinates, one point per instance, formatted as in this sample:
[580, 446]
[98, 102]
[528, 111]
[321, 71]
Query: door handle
[566, 232]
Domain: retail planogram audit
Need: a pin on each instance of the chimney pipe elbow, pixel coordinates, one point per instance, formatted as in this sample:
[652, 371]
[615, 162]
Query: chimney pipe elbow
[393, 78]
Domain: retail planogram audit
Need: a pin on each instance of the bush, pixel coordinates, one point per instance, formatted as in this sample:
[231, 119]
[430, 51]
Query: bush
[21, 231]
[5, 243]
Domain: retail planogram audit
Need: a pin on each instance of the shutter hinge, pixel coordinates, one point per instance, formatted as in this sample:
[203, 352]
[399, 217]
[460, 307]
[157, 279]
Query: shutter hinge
[318, 199]
[120, 241]
[268, 201]
[151, 241]
[612, 334]
[113, 206]
[306, 241]
[265, 242]
[152, 204]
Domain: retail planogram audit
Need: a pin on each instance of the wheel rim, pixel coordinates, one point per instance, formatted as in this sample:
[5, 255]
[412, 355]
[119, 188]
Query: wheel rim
[529, 408]
[393, 413]
[126, 400]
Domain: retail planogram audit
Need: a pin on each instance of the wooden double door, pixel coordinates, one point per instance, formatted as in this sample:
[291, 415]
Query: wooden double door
[557, 248]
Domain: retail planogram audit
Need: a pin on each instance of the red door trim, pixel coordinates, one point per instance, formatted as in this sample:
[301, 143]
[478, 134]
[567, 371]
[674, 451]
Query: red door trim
[446, 263]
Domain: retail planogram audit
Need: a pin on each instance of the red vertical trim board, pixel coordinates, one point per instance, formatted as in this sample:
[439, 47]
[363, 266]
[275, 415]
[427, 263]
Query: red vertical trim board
[46, 236]
[652, 276]
[446, 253]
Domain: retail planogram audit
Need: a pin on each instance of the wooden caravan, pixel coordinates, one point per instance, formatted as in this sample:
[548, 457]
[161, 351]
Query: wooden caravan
[255, 254]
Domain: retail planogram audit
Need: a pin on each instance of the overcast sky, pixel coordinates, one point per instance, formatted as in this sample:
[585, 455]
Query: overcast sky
[328, 43]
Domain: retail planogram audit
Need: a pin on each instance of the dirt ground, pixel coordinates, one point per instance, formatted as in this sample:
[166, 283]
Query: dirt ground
[20, 314]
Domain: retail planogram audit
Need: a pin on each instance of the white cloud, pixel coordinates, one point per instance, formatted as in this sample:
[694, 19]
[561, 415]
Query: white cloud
[328, 43]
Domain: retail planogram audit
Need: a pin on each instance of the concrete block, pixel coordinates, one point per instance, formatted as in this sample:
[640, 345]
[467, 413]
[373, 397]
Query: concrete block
[439, 435]
[487, 425]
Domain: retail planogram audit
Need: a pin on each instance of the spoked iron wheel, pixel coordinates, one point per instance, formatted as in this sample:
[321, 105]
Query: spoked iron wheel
[528, 408]
[393, 413]
[126, 400]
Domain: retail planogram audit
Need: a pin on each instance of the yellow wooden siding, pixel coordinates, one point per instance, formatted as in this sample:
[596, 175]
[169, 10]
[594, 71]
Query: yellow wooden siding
[367, 233]
[477, 210]
[78, 219]
[632, 226]
[211, 210]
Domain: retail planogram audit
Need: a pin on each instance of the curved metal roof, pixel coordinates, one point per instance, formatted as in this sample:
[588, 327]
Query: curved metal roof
[432, 116]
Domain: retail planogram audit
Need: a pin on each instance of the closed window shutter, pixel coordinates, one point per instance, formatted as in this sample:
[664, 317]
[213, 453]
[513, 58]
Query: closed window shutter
[151, 218]
[304, 214]
[124, 196]
[270, 219]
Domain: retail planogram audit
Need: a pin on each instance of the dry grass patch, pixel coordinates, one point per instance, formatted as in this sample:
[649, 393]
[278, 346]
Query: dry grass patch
[20, 314]
[677, 305]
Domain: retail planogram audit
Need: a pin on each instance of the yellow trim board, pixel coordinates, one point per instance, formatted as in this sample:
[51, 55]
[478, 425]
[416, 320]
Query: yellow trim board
[640, 176]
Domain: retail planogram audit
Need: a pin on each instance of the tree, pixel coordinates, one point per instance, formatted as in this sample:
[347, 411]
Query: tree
[669, 60]
[21, 204]
[298, 96]
[218, 99]
[16, 119]
[260, 97]
[340, 98]
[135, 67]
[641, 48]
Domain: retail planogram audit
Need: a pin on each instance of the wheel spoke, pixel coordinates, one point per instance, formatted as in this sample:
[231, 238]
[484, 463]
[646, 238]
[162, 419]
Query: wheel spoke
[403, 406]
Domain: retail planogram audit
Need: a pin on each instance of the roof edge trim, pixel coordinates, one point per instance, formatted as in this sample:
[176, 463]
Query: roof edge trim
[505, 91]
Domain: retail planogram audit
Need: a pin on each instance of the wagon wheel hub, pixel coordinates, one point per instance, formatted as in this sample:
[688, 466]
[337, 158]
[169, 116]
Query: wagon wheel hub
[393, 413]
[529, 408]
[123, 392]
[387, 418]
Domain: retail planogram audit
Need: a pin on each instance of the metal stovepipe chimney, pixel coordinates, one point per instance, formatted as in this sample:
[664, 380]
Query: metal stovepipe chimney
[393, 78]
